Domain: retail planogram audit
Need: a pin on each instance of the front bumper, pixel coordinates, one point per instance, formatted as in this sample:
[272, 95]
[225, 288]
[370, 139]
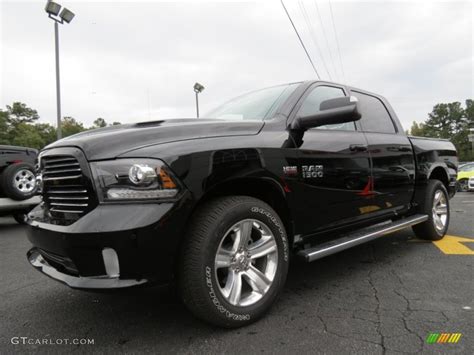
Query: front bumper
[144, 237]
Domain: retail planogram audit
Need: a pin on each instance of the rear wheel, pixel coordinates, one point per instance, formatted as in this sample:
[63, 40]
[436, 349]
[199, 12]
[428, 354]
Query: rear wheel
[234, 262]
[463, 185]
[18, 181]
[436, 206]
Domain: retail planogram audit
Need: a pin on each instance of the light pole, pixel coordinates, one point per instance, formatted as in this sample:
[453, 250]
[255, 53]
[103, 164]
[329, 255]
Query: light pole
[59, 17]
[470, 137]
[198, 88]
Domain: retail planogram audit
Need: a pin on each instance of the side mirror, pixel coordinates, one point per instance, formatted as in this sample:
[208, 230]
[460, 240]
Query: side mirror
[332, 111]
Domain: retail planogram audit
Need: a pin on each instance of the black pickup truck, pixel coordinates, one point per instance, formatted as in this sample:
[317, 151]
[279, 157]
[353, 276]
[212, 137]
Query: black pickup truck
[220, 204]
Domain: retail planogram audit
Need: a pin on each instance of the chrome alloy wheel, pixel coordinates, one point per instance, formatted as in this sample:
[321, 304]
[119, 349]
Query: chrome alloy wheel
[24, 181]
[440, 210]
[246, 262]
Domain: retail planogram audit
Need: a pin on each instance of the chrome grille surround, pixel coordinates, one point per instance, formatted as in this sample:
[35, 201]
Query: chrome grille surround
[67, 187]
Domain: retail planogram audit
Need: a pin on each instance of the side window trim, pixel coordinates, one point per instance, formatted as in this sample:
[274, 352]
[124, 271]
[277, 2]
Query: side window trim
[278, 102]
[359, 125]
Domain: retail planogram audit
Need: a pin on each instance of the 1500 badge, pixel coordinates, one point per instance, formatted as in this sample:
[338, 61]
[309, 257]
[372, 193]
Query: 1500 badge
[312, 171]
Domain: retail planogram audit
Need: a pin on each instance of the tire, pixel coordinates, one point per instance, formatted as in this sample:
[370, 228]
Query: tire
[18, 181]
[20, 218]
[463, 185]
[204, 281]
[436, 226]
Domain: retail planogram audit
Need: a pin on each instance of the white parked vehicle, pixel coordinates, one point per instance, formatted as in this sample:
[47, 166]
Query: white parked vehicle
[470, 184]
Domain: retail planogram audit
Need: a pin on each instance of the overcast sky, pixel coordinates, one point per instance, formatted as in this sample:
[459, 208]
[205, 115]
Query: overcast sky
[135, 61]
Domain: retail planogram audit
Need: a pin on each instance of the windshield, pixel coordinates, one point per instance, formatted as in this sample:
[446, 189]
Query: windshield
[467, 167]
[256, 105]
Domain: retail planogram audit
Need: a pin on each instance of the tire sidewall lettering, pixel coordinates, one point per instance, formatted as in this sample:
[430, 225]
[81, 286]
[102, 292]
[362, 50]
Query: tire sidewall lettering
[275, 222]
[215, 301]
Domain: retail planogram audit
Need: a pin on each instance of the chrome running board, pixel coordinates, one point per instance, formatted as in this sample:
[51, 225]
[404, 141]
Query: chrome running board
[359, 237]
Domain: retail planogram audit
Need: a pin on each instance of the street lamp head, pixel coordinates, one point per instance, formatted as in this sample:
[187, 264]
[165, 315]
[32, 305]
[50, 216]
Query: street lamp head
[52, 8]
[66, 15]
[198, 88]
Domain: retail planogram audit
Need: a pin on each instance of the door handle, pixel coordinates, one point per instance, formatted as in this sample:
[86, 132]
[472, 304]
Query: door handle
[403, 148]
[358, 148]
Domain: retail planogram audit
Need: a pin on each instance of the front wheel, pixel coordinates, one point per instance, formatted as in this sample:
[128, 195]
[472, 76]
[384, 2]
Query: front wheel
[436, 206]
[234, 261]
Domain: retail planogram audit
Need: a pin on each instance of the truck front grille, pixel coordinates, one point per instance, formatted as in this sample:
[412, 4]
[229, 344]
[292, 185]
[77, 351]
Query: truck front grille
[67, 189]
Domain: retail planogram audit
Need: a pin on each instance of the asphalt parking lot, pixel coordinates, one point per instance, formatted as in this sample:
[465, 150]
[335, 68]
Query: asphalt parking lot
[383, 297]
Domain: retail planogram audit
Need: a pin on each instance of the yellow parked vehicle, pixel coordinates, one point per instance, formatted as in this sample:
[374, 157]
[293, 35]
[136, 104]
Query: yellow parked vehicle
[464, 173]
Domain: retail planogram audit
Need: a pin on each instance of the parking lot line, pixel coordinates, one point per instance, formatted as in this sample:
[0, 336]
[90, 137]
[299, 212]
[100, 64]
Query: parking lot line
[453, 245]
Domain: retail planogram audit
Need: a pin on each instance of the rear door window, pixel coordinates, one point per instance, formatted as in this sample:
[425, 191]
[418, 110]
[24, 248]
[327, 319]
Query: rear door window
[375, 117]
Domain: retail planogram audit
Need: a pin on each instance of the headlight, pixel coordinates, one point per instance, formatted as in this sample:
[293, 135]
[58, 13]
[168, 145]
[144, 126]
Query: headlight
[134, 179]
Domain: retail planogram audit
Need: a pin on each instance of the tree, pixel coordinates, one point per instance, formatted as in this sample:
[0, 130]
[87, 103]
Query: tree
[18, 112]
[469, 112]
[4, 127]
[70, 126]
[47, 132]
[99, 123]
[449, 121]
[26, 135]
[34, 136]
[445, 121]
[18, 127]
[417, 129]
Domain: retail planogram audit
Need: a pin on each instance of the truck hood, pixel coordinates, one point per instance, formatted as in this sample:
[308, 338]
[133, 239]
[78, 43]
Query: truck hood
[110, 142]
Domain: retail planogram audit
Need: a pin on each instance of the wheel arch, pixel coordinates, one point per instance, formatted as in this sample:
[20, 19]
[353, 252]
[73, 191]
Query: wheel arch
[440, 173]
[266, 189]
